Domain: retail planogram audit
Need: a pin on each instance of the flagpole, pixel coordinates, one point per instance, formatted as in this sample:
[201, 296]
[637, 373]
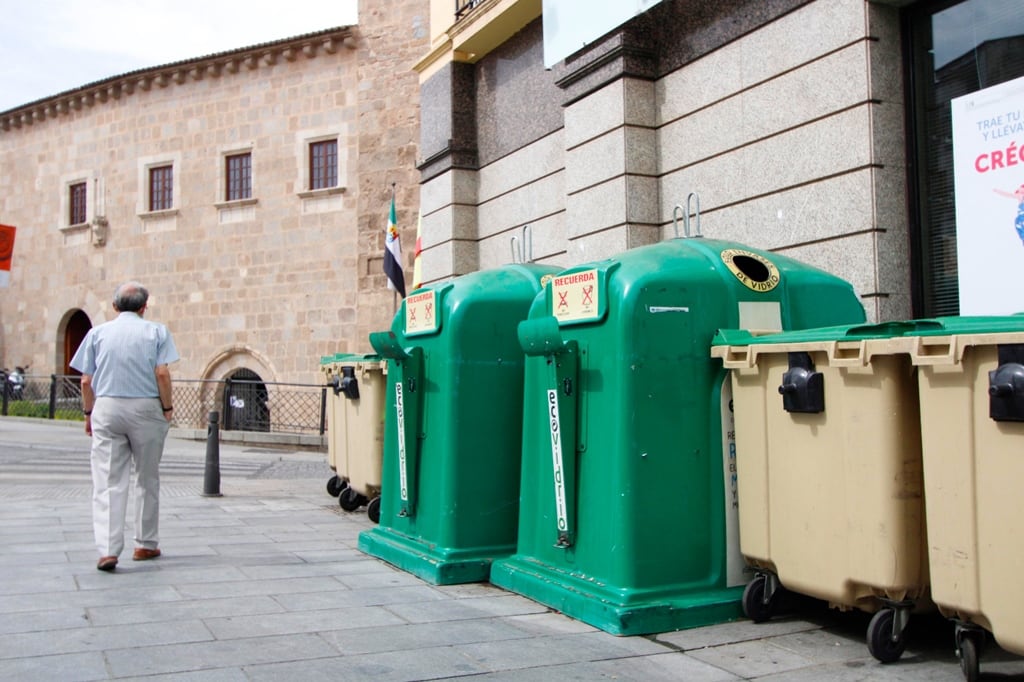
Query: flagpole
[394, 294]
[393, 267]
[417, 265]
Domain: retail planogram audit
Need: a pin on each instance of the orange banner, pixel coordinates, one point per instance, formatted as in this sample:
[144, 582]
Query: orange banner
[6, 253]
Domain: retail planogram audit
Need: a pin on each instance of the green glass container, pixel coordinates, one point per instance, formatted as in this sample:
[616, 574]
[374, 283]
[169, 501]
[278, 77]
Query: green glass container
[628, 515]
[453, 425]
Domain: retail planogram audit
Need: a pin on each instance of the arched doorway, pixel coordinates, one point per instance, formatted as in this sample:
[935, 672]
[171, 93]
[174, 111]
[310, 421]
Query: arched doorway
[70, 335]
[78, 325]
[245, 402]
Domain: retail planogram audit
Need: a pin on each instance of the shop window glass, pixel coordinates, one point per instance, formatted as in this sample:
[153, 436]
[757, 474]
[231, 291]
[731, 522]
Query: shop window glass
[956, 48]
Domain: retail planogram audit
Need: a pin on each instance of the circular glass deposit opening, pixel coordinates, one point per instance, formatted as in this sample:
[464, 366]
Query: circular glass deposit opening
[752, 268]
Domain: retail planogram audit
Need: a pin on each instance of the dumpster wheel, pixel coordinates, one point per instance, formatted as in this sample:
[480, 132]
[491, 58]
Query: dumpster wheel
[373, 509]
[335, 484]
[350, 500]
[886, 641]
[759, 598]
[968, 650]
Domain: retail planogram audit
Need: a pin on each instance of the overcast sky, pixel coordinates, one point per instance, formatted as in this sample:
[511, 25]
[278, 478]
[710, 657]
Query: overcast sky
[49, 46]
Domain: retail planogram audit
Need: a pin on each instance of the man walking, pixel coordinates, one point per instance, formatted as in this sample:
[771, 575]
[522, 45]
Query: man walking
[126, 399]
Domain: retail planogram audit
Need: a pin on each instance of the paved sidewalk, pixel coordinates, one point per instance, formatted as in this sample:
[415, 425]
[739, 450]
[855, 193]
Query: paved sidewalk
[266, 583]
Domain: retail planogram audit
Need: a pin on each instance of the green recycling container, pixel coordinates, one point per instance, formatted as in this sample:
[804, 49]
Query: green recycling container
[628, 514]
[453, 425]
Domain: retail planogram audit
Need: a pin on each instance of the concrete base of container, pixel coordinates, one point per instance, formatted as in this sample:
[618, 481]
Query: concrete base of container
[618, 611]
[427, 561]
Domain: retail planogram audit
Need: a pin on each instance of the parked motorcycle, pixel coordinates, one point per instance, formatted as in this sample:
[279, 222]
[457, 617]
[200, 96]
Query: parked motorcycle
[15, 384]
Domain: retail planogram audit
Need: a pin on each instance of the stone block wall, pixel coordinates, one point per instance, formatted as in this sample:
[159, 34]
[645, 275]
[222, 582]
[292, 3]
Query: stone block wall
[784, 117]
[271, 284]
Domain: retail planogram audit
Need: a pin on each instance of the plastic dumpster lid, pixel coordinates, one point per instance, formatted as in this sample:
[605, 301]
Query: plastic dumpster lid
[938, 326]
[844, 345]
[943, 326]
[844, 332]
[946, 343]
[349, 358]
[935, 341]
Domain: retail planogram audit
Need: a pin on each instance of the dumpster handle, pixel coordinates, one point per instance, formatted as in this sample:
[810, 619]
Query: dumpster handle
[387, 345]
[847, 354]
[695, 199]
[735, 357]
[696, 213]
[936, 350]
[522, 253]
[675, 218]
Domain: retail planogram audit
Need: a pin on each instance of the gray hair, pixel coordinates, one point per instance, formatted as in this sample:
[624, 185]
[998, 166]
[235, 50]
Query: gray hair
[130, 297]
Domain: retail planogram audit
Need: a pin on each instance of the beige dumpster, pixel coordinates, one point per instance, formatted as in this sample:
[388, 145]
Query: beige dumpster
[355, 425]
[829, 473]
[971, 381]
[332, 373]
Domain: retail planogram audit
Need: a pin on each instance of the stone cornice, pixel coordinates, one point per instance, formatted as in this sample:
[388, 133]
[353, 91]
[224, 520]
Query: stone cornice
[307, 46]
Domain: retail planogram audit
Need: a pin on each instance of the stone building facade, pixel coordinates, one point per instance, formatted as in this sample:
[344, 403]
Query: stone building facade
[814, 128]
[268, 282]
[781, 116]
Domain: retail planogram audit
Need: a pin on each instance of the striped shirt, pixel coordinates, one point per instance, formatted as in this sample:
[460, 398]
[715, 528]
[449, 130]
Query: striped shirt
[122, 354]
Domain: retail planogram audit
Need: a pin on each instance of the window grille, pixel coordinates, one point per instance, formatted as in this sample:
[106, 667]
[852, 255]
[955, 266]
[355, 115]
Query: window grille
[238, 177]
[323, 164]
[161, 188]
[77, 200]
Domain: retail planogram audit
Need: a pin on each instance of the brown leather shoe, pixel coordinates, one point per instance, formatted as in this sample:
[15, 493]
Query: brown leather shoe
[106, 563]
[143, 554]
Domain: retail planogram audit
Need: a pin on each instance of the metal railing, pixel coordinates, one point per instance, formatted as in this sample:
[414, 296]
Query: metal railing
[244, 405]
[247, 405]
[464, 6]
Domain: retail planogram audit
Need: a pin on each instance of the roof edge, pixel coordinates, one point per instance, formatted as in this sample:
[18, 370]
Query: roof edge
[254, 56]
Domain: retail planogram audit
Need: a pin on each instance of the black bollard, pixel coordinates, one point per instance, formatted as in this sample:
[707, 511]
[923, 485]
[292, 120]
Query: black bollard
[211, 479]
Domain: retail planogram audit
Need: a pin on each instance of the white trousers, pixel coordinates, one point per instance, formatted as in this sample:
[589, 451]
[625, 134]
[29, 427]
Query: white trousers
[126, 433]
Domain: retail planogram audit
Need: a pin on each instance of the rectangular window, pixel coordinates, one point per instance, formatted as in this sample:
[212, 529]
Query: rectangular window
[956, 48]
[238, 177]
[77, 204]
[323, 164]
[161, 188]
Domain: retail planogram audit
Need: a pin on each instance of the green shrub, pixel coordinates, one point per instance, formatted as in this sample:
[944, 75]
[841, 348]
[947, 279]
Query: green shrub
[41, 410]
[27, 408]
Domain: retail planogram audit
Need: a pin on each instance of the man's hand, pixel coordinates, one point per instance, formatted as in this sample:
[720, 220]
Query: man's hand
[88, 401]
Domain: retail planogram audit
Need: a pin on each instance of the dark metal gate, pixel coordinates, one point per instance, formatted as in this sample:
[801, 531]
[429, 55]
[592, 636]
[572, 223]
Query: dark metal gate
[245, 402]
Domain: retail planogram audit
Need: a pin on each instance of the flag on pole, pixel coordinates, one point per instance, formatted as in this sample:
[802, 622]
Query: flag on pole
[417, 269]
[6, 253]
[393, 252]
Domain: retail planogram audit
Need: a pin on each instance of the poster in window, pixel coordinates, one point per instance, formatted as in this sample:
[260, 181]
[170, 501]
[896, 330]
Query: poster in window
[988, 160]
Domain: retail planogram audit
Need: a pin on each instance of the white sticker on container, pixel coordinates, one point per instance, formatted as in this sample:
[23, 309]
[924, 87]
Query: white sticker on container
[575, 296]
[561, 515]
[403, 479]
[765, 316]
[421, 313]
[736, 571]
